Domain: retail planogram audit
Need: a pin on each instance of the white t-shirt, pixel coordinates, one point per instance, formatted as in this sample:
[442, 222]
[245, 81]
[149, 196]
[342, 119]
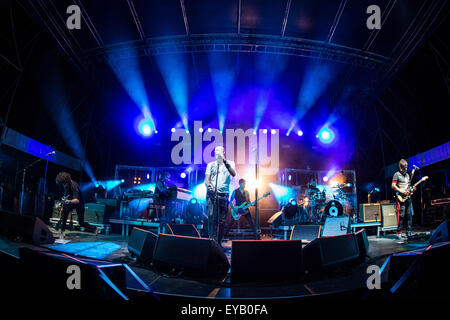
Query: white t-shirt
[224, 178]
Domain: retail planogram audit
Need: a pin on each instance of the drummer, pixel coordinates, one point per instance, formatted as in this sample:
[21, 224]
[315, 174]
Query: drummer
[311, 190]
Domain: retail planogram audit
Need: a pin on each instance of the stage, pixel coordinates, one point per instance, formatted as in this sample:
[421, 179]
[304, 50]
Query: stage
[343, 281]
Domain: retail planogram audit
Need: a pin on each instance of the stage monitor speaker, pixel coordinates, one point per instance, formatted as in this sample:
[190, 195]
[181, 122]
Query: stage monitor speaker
[194, 256]
[440, 234]
[142, 244]
[25, 228]
[50, 273]
[188, 230]
[389, 215]
[266, 260]
[277, 219]
[329, 251]
[305, 232]
[336, 226]
[363, 243]
[370, 212]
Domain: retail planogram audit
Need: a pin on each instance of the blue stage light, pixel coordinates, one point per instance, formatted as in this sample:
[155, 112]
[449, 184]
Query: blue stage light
[282, 193]
[265, 131]
[325, 179]
[183, 175]
[123, 180]
[173, 129]
[326, 135]
[299, 133]
[293, 202]
[200, 129]
[193, 201]
[209, 130]
[273, 131]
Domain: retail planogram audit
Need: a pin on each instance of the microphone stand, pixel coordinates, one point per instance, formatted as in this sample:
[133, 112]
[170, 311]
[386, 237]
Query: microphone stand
[217, 203]
[24, 172]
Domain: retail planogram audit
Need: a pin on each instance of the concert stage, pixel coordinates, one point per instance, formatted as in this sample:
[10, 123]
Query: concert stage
[343, 281]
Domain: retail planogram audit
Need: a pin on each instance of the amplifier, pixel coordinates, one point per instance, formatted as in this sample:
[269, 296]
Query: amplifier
[389, 214]
[94, 213]
[370, 212]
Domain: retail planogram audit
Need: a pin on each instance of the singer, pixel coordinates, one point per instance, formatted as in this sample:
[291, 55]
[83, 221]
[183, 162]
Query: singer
[217, 179]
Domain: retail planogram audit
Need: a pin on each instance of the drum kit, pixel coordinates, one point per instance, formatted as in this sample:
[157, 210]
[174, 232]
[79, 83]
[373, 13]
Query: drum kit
[317, 205]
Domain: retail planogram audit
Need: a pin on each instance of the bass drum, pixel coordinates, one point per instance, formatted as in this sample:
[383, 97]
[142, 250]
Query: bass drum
[334, 208]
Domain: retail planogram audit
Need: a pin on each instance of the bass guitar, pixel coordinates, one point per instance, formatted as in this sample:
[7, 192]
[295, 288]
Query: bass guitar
[410, 190]
[238, 211]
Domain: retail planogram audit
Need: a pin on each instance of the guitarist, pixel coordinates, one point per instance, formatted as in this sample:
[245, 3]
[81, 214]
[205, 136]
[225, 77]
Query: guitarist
[239, 195]
[72, 200]
[400, 184]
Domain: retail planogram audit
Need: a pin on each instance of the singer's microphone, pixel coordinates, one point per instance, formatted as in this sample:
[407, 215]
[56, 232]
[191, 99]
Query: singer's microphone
[53, 152]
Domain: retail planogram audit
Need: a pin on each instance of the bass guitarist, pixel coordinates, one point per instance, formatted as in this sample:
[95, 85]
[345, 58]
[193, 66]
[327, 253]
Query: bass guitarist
[401, 184]
[240, 195]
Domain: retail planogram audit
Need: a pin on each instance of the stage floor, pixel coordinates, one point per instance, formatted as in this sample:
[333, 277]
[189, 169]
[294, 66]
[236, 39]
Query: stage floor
[342, 279]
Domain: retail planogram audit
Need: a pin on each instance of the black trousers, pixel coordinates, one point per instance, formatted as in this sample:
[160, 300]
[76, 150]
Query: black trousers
[404, 215]
[230, 223]
[80, 214]
[217, 208]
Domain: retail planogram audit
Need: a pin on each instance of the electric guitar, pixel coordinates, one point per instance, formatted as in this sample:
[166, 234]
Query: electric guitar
[237, 212]
[403, 198]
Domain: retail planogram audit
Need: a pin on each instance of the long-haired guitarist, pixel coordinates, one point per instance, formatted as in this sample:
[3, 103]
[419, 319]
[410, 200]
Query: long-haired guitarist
[217, 179]
[240, 196]
[401, 184]
[72, 200]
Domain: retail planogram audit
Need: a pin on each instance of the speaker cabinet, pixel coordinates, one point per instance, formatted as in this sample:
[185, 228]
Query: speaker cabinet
[329, 251]
[370, 212]
[336, 226]
[94, 213]
[363, 243]
[306, 233]
[25, 228]
[194, 256]
[266, 260]
[188, 230]
[389, 215]
[142, 244]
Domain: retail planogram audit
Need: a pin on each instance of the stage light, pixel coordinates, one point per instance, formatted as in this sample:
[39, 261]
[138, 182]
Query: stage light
[325, 179]
[123, 180]
[289, 177]
[300, 133]
[187, 131]
[288, 134]
[282, 193]
[325, 135]
[200, 129]
[183, 175]
[199, 192]
[273, 131]
[148, 176]
[156, 131]
[265, 131]
[173, 129]
[254, 132]
[209, 130]
[194, 212]
[291, 210]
